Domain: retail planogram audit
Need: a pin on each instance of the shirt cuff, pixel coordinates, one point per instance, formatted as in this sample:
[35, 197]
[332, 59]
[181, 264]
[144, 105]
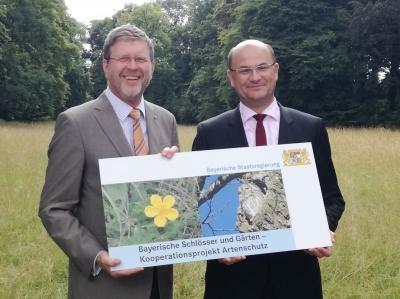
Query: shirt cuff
[96, 268]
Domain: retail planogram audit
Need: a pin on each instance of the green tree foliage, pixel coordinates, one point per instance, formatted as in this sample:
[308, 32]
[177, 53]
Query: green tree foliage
[4, 37]
[338, 59]
[39, 53]
[311, 47]
[97, 34]
[332, 56]
[77, 74]
[375, 32]
[178, 12]
[200, 97]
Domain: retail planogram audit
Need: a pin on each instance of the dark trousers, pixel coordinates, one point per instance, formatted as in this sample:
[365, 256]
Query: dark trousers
[155, 293]
[285, 275]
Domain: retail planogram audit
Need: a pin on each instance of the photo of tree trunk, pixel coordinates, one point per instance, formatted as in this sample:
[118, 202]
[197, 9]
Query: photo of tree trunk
[243, 202]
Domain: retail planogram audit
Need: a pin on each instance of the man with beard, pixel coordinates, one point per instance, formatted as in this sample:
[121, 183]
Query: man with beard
[118, 123]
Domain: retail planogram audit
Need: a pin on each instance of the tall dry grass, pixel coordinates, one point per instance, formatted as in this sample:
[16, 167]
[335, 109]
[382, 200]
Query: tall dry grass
[366, 261]
[31, 266]
[366, 258]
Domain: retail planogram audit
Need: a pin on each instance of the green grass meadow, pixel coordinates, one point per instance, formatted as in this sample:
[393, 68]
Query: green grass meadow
[366, 260]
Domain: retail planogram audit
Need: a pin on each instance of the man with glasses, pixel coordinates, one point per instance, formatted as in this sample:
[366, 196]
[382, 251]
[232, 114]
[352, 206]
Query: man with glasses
[118, 123]
[260, 120]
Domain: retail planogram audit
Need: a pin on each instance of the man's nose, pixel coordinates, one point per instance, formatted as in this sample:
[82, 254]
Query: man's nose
[255, 75]
[132, 63]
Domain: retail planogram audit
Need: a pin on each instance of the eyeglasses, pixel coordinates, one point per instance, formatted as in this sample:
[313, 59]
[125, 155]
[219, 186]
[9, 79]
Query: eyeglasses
[128, 59]
[262, 68]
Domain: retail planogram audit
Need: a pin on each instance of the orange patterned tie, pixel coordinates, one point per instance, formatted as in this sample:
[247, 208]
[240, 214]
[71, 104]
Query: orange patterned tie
[139, 143]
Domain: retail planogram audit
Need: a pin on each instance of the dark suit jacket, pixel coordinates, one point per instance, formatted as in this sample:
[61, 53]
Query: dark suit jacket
[279, 275]
[71, 206]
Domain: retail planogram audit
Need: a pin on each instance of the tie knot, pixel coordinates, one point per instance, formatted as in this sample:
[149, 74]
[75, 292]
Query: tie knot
[135, 114]
[259, 117]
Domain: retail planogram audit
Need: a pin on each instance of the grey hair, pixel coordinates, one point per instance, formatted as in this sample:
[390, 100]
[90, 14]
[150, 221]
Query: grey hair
[126, 32]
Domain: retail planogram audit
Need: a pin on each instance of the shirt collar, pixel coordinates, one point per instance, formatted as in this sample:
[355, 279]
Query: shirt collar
[121, 108]
[272, 110]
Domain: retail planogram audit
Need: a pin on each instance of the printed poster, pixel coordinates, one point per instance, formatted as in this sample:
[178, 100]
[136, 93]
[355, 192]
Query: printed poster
[212, 204]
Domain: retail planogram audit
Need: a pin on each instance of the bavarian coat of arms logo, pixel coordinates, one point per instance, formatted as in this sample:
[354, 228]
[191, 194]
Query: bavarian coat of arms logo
[295, 157]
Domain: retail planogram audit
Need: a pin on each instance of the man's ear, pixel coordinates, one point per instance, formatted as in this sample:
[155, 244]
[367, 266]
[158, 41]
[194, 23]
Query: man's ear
[229, 74]
[105, 67]
[276, 66]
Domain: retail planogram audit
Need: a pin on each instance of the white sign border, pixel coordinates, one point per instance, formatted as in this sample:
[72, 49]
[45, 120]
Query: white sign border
[309, 226]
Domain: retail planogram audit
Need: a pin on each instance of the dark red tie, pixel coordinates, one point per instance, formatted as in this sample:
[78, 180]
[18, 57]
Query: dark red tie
[261, 138]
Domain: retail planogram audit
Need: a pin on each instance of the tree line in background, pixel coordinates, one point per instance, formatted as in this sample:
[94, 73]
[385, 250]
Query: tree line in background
[338, 59]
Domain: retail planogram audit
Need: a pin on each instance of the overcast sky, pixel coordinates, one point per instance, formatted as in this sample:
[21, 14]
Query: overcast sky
[85, 11]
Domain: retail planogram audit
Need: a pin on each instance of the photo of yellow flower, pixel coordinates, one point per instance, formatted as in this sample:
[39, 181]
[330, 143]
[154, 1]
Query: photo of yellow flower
[161, 209]
[155, 211]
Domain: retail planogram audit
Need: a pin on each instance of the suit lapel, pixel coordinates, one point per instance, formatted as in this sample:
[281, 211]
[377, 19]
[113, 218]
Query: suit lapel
[236, 130]
[108, 121]
[284, 126]
[152, 124]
